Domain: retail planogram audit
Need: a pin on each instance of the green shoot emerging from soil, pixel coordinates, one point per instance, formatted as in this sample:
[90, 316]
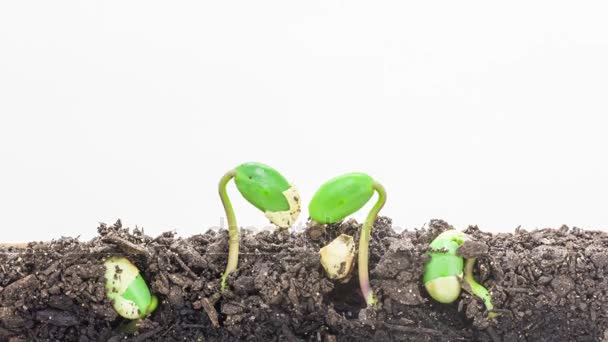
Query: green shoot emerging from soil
[444, 271]
[342, 196]
[127, 290]
[267, 190]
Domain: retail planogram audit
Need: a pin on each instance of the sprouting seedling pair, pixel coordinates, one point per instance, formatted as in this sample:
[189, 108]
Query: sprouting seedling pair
[127, 289]
[267, 190]
[444, 271]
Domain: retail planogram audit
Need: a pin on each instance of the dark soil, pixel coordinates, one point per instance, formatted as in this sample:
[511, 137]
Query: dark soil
[548, 285]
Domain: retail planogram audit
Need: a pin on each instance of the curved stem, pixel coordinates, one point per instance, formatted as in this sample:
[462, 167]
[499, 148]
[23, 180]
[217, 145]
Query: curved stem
[153, 305]
[366, 233]
[478, 289]
[233, 229]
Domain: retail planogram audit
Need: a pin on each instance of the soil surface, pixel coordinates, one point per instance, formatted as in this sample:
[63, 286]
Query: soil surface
[547, 285]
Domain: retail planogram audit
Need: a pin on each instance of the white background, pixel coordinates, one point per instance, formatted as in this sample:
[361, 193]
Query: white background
[478, 113]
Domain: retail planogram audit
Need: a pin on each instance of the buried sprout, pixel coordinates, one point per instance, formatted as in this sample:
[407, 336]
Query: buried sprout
[444, 271]
[127, 289]
[267, 190]
[340, 197]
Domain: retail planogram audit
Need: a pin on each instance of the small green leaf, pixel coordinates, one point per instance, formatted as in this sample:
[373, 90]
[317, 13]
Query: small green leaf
[269, 191]
[127, 290]
[340, 197]
[444, 262]
[262, 186]
[138, 293]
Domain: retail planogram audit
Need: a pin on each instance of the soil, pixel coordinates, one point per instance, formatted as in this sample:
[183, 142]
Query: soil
[547, 285]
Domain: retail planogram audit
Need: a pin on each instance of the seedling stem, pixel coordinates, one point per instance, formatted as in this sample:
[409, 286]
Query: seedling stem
[366, 233]
[233, 229]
